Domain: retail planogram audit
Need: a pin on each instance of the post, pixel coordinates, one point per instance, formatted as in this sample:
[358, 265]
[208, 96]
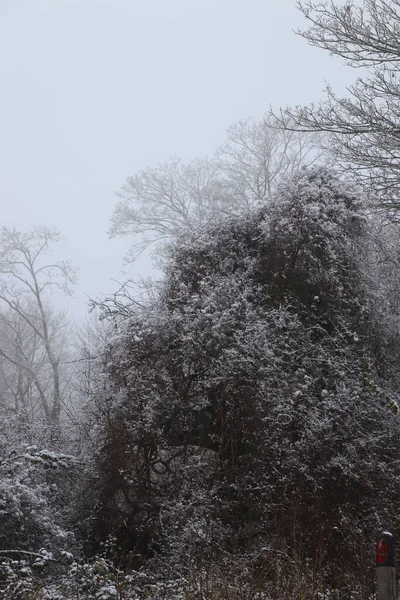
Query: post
[385, 567]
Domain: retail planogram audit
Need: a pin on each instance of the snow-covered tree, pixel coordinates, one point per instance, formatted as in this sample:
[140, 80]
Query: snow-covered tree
[250, 408]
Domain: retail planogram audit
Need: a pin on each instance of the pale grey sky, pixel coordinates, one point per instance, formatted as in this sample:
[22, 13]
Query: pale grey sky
[94, 90]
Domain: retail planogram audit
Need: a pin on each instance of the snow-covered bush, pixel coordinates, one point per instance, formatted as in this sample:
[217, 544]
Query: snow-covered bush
[32, 523]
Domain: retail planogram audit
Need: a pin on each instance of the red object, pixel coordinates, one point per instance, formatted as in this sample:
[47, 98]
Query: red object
[382, 549]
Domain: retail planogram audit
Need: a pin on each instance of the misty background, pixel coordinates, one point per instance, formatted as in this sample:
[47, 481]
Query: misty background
[93, 91]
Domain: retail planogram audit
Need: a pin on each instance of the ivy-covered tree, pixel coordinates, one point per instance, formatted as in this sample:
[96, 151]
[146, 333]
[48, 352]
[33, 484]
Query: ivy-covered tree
[247, 414]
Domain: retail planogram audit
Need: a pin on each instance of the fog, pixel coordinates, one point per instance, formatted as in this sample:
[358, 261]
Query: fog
[93, 91]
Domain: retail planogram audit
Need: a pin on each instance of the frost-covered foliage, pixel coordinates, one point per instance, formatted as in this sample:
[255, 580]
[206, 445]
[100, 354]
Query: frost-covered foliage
[34, 483]
[247, 416]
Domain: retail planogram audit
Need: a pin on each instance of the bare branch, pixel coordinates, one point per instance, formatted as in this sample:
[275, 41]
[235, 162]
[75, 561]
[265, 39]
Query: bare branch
[158, 205]
[363, 129]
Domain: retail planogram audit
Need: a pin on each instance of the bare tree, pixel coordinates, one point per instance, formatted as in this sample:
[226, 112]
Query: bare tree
[257, 155]
[364, 128]
[160, 203]
[21, 365]
[31, 344]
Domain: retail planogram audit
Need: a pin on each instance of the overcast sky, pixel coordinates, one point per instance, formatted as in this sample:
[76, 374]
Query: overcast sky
[94, 90]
